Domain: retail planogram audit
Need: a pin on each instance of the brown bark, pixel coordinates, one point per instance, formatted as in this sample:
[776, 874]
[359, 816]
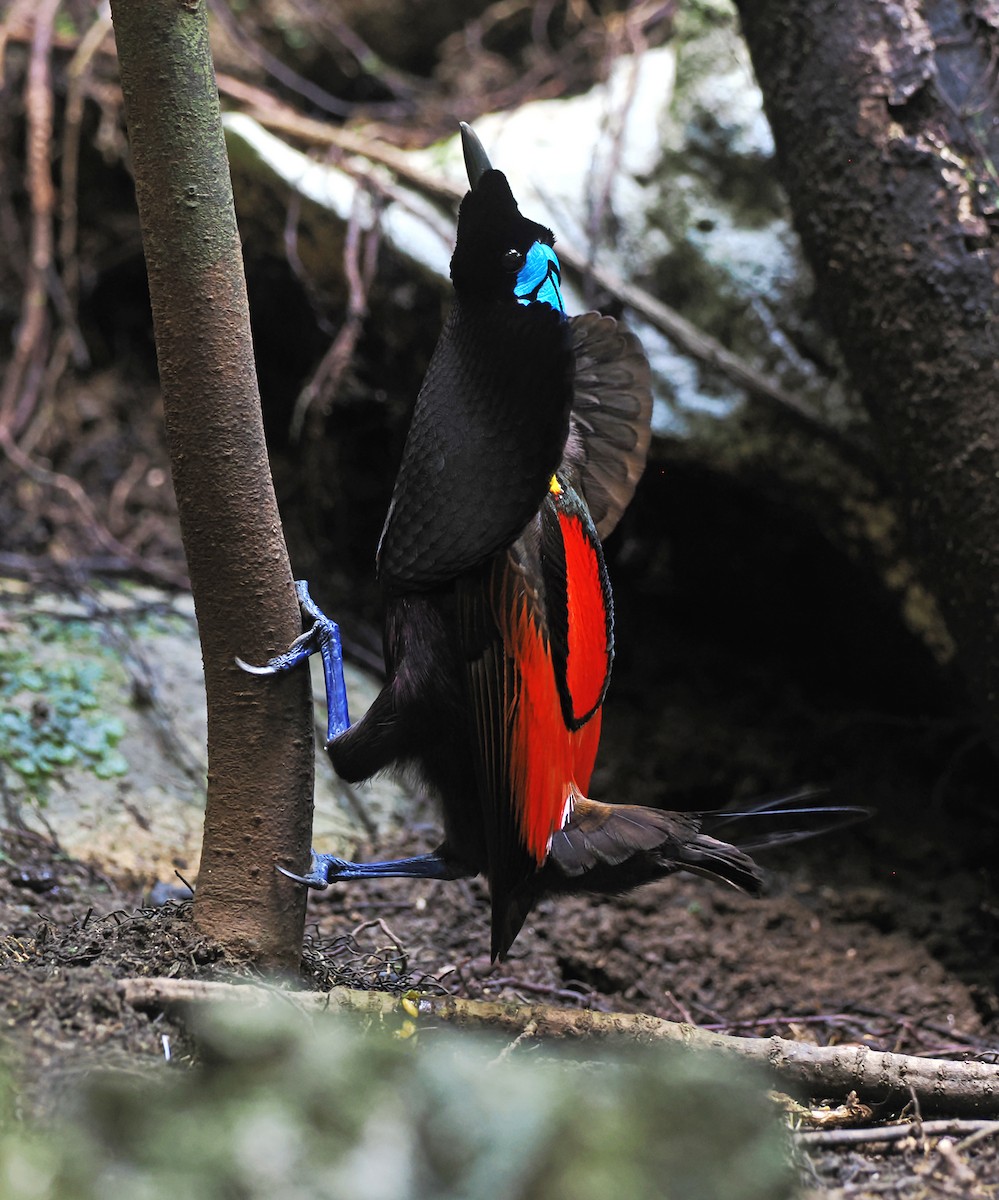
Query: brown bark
[260, 740]
[888, 1081]
[886, 123]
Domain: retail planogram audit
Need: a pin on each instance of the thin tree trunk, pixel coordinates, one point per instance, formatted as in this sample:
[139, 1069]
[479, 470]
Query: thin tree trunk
[260, 739]
[886, 122]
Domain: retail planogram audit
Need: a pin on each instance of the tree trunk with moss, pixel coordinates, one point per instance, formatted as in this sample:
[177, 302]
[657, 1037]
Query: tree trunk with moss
[886, 123]
[260, 735]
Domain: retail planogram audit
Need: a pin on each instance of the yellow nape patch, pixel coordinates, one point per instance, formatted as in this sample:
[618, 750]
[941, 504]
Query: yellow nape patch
[555, 487]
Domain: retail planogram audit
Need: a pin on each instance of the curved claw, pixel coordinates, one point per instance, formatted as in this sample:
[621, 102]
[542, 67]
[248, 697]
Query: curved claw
[250, 669]
[305, 645]
[320, 869]
[308, 880]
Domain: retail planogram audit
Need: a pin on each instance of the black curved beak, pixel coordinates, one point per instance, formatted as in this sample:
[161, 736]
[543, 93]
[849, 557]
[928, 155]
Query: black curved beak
[476, 159]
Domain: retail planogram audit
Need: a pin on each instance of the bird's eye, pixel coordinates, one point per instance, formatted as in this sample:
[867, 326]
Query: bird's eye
[513, 260]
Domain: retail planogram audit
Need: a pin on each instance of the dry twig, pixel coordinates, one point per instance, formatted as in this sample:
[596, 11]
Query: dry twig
[897, 1133]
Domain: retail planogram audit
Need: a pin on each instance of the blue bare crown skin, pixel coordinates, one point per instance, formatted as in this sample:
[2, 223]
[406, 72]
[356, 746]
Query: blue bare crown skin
[539, 280]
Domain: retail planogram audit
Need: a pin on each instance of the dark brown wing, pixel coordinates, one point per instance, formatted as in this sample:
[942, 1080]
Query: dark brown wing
[610, 424]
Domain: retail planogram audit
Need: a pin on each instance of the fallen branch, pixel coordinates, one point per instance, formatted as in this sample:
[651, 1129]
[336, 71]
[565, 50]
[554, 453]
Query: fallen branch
[888, 1081]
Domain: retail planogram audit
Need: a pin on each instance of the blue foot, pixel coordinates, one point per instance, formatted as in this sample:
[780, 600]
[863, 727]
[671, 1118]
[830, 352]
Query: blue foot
[323, 637]
[327, 868]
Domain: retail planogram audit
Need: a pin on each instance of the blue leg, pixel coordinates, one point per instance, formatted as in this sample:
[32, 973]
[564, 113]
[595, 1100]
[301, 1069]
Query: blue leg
[323, 636]
[327, 868]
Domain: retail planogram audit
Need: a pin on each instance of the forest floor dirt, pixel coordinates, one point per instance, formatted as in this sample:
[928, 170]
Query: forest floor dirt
[839, 950]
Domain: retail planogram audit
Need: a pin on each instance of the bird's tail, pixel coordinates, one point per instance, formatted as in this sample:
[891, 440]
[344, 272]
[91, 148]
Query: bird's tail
[612, 848]
[615, 847]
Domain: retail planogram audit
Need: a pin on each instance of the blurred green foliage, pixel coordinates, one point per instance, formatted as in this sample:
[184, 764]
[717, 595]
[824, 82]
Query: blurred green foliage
[281, 1108]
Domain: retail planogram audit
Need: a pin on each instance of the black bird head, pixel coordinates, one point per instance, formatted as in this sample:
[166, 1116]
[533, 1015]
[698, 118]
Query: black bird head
[499, 254]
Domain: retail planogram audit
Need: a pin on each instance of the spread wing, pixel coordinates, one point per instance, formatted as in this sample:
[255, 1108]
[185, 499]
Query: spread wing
[610, 424]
